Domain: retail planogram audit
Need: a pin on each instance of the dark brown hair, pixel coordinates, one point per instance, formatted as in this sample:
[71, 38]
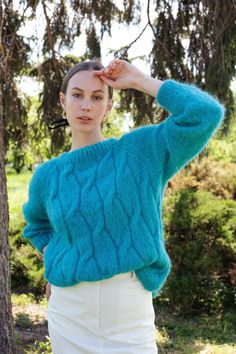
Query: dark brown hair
[83, 66]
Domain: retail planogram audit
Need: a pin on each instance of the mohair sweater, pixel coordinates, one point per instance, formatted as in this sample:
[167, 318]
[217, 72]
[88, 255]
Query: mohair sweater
[99, 208]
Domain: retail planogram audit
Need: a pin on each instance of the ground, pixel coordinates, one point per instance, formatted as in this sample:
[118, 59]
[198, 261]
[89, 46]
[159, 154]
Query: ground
[198, 335]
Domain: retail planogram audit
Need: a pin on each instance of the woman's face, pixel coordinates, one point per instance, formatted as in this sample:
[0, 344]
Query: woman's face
[86, 96]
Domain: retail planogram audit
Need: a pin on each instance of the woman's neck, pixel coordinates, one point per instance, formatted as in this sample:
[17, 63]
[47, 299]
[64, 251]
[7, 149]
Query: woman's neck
[80, 143]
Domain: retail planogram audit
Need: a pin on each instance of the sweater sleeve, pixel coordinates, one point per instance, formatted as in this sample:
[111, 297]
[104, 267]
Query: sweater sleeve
[194, 117]
[38, 228]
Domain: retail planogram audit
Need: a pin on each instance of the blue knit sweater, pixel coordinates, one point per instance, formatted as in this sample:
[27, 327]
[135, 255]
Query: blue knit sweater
[99, 208]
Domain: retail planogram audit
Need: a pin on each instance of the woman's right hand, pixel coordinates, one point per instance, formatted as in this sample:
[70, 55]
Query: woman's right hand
[119, 74]
[48, 291]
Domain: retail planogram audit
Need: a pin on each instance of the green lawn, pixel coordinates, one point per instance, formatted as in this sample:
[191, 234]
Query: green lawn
[200, 334]
[17, 188]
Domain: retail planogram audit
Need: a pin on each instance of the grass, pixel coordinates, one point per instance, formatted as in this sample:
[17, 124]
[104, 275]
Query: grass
[17, 189]
[200, 334]
[30, 319]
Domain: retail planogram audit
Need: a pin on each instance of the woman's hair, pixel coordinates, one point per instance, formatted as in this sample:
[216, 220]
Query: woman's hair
[83, 66]
[94, 64]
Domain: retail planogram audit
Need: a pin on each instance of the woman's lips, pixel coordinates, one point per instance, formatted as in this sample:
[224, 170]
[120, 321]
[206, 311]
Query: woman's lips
[85, 119]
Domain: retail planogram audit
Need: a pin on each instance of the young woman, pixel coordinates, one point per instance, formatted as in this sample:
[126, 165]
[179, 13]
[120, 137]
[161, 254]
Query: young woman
[96, 209]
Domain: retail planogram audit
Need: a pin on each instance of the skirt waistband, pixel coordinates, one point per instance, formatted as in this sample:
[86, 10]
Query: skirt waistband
[131, 275]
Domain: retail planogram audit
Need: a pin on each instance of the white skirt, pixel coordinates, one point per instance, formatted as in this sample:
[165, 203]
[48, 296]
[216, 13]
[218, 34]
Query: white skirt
[110, 316]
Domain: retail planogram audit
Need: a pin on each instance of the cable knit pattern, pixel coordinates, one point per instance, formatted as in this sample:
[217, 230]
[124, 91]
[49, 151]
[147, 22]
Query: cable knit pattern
[99, 208]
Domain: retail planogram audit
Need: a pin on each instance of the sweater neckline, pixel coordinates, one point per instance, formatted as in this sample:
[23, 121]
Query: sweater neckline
[89, 152]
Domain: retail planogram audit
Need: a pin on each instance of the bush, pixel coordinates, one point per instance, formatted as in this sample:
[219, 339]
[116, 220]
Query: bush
[208, 175]
[200, 238]
[27, 271]
[40, 347]
[26, 263]
[22, 321]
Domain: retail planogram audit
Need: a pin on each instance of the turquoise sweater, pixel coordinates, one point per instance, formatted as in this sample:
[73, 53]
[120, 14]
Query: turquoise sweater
[99, 208]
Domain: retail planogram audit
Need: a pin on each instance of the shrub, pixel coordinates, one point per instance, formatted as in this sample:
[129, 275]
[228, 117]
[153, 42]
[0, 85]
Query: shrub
[26, 267]
[200, 238]
[22, 321]
[208, 175]
[22, 299]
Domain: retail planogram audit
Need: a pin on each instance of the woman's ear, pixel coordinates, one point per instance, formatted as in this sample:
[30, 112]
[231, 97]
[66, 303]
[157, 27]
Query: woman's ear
[110, 104]
[62, 100]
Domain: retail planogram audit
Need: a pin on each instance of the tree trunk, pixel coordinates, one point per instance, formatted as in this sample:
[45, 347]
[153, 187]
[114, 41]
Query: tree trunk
[7, 333]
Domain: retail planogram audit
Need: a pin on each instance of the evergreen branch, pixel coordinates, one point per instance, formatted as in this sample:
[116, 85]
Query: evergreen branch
[153, 30]
[128, 46]
[49, 33]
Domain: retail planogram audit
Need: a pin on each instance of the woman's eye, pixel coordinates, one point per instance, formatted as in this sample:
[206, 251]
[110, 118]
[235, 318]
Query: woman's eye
[77, 95]
[97, 98]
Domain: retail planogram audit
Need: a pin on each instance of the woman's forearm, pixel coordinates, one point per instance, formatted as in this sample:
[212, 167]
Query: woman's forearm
[147, 84]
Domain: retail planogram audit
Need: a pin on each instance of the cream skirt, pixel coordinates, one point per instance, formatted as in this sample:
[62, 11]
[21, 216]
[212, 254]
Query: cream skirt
[111, 316]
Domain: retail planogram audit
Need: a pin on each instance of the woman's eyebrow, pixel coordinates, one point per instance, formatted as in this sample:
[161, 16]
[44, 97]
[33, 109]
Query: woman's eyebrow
[77, 88]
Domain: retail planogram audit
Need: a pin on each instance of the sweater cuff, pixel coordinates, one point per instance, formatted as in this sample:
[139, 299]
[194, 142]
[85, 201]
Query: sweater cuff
[39, 241]
[39, 244]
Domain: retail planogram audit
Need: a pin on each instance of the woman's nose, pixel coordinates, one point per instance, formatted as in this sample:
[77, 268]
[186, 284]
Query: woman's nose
[86, 105]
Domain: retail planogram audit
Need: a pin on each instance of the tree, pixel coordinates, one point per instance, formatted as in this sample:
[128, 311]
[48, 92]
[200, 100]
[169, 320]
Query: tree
[7, 337]
[208, 28]
[14, 56]
[10, 117]
[208, 59]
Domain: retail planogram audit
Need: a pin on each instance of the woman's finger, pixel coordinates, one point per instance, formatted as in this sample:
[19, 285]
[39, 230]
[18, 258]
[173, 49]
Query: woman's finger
[99, 72]
[48, 291]
[113, 69]
[107, 81]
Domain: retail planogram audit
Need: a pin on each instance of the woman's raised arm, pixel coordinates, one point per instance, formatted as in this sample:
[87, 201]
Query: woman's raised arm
[194, 117]
[120, 74]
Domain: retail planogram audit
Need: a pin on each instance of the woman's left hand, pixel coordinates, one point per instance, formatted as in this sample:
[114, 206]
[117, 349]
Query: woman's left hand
[48, 291]
[120, 74]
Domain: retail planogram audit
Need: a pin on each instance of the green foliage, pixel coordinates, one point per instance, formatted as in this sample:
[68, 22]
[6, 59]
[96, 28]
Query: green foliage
[26, 269]
[93, 43]
[22, 320]
[25, 262]
[206, 174]
[22, 299]
[224, 148]
[196, 334]
[43, 347]
[201, 242]
[14, 56]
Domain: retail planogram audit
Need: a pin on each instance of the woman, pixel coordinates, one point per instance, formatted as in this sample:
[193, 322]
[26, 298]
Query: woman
[96, 210]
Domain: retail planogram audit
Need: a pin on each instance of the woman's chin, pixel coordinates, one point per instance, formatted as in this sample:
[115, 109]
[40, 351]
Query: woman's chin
[80, 126]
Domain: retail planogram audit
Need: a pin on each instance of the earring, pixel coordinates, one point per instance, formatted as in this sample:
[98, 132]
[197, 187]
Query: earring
[64, 115]
[105, 118]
